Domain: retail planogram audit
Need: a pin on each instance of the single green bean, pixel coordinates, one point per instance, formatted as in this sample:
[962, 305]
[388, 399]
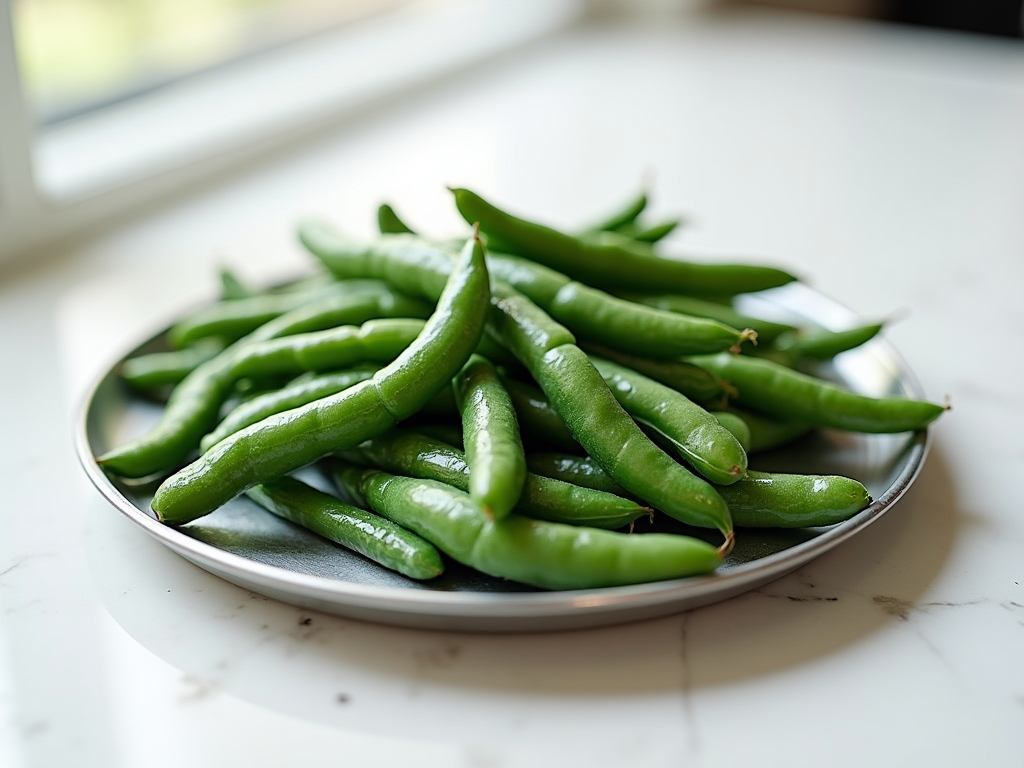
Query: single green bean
[766, 330]
[370, 535]
[766, 500]
[534, 552]
[289, 440]
[494, 448]
[790, 395]
[389, 223]
[612, 261]
[231, 287]
[165, 369]
[412, 454]
[624, 217]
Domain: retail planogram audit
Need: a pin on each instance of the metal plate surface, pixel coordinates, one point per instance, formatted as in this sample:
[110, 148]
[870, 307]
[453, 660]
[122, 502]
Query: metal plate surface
[252, 548]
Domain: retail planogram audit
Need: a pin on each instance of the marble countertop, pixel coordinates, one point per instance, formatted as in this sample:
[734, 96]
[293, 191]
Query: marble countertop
[884, 164]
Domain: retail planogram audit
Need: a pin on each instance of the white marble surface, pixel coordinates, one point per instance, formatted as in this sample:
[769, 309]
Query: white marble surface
[886, 165]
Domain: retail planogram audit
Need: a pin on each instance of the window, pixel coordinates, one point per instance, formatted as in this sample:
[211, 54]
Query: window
[89, 131]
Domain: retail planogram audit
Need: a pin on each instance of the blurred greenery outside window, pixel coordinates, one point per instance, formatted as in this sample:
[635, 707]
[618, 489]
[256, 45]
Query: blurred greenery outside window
[78, 55]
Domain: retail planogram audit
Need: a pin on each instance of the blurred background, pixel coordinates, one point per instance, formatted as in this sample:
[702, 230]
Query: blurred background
[109, 103]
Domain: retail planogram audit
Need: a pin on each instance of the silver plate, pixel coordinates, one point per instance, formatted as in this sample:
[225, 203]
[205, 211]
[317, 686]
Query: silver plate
[253, 549]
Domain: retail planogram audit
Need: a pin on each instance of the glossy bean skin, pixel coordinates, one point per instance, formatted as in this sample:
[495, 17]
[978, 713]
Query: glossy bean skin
[772, 500]
[543, 498]
[701, 440]
[789, 395]
[375, 341]
[286, 441]
[291, 396]
[195, 403]
[625, 325]
[585, 310]
[231, 320]
[494, 448]
[578, 470]
[612, 261]
[813, 344]
[535, 552]
[563, 371]
[595, 418]
[736, 426]
[371, 535]
[156, 370]
[766, 330]
[539, 421]
[686, 378]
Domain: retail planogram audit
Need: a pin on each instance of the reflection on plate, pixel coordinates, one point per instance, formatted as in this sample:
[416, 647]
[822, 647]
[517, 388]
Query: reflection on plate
[256, 550]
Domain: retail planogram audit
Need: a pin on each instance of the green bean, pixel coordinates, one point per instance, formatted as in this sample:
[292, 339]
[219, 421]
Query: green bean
[539, 422]
[578, 470]
[494, 449]
[289, 440]
[548, 351]
[790, 395]
[370, 535]
[231, 320]
[231, 287]
[764, 500]
[195, 403]
[699, 438]
[162, 369]
[767, 432]
[612, 261]
[736, 426]
[624, 325]
[596, 419]
[534, 552]
[389, 223]
[724, 313]
[412, 454]
[687, 378]
[650, 234]
[292, 396]
[624, 217]
[375, 341]
[820, 343]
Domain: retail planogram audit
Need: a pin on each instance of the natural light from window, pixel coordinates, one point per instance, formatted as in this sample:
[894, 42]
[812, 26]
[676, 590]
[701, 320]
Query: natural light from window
[76, 55]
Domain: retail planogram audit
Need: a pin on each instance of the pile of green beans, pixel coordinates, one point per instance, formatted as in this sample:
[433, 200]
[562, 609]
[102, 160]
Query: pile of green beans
[588, 381]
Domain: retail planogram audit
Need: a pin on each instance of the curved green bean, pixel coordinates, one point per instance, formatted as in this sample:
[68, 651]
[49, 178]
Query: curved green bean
[767, 500]
[364, 532]
[610, 260]
[786, 394]
[534, 552]
[494, 449]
